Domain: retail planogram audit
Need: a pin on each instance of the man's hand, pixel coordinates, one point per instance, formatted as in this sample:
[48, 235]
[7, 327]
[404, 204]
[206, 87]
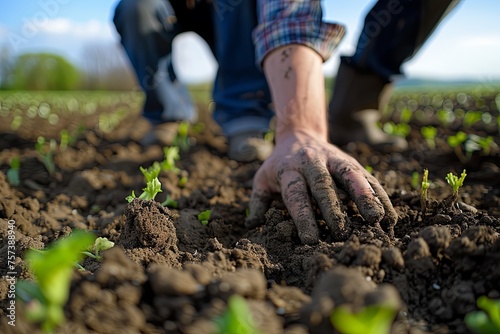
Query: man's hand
[301, 163]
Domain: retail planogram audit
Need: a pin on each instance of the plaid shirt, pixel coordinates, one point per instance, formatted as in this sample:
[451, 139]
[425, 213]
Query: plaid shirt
[284, 22]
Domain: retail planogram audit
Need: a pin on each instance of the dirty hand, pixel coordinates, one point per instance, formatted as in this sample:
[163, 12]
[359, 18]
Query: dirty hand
[300, 162]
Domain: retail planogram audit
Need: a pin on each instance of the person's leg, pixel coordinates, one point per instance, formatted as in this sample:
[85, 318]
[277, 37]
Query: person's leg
[241, 94]
[393, 32]
[147, 28]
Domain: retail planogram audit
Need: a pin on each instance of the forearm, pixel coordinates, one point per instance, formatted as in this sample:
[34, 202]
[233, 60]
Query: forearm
[295, 77]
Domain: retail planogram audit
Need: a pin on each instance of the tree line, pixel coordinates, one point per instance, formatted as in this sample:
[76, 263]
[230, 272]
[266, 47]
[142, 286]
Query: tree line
[104, 67]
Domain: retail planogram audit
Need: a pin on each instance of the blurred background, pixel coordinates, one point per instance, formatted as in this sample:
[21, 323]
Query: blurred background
[70, 45]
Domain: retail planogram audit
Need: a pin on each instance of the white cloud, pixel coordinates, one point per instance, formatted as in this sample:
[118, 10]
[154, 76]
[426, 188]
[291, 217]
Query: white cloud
[63, 27]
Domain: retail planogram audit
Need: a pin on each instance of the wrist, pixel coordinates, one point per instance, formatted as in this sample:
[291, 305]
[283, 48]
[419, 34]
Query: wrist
[293, 120]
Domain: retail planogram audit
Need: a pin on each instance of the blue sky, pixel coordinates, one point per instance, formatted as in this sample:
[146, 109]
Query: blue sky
[465, 46]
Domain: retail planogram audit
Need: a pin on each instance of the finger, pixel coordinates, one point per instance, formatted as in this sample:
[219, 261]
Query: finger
[391, 217]
[258, 205]
[296, 199]
[325, 192]
[353, 179]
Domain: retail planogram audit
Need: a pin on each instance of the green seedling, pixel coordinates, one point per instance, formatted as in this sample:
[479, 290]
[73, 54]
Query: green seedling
[13, 172]
[456, 182]
[476, 143]
[47, 154]
[486, 144]
[373, 319]
[445, 116]
[406, 115]
[429, 133]
[68, 138]
[401, 129]
[415, 180]
[471, 145]
[486, 321]
[182, 139]
[171, 157]
[52, 269]
[153, 184]
[237, 318]
[16, 123]
[425, 187]
[63, 145]
[170, 203]
[369, 168]
[204, 217]
[472, 117]
[182, 181]
[100, 244]
[456, 142]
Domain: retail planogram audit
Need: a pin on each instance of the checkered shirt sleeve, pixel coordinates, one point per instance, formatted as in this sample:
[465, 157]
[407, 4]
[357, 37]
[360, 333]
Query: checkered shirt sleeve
[284, 22]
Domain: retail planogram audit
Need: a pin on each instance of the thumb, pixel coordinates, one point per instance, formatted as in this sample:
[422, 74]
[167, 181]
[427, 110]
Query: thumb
[258, 205]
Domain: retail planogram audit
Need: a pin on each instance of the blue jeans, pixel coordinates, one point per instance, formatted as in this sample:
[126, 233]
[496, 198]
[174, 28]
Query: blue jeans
[393, 32]
[147, 29]
[241, 95]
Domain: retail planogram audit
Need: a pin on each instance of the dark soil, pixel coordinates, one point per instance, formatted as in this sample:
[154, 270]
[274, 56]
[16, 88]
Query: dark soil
[168, 273]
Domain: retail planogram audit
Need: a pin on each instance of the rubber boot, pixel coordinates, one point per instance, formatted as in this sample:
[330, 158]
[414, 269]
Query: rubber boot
[355, 108]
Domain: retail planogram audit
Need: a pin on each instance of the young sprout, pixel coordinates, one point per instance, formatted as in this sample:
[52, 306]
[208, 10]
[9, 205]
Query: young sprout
[406, 115]
[204, 216]
[455, 142]
[486, 321]
[13, 172]
[68, 138]
[182, 139]
[456, 182]
[425, 186]
[182, 181]
[486, 143]
[373, 319]
[170, 203]
[153, 185]
[369, 168]
[401, 129]
[237, 318]
[52, 269]
[471, 145]
[63, 145]
[472, 117]
[16, 122]
[47, 155]
[171, 156]
[445, 116]
[415, 178]
[429, 133]
[100, 244]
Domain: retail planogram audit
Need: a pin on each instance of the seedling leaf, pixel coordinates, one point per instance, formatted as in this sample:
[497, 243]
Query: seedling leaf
[237, 318]
[373, 319]
[486, 321]
[204, 216]
[13, 172]
[456, 182]
[52, 269]
[170, 203]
